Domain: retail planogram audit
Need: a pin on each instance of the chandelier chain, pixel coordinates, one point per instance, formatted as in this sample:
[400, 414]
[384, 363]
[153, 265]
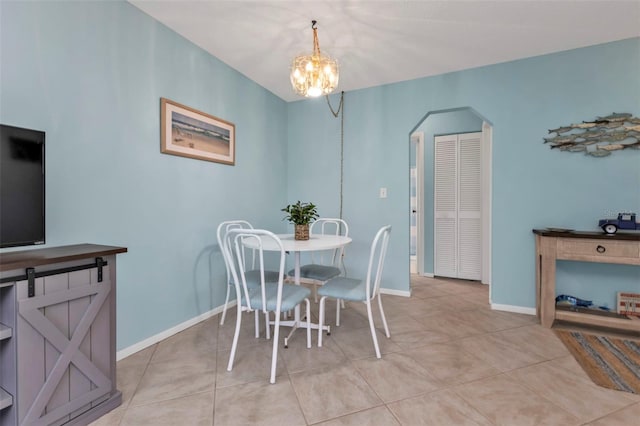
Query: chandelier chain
[316, 43]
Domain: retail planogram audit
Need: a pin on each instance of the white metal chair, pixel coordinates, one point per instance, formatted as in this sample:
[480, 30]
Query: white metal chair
[252, 274]
[226, 247]
[356, 290]
[268, 297]
[327, 264]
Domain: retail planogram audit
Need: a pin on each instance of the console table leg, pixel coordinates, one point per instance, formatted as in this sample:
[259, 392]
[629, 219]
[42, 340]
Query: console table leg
[547, 282]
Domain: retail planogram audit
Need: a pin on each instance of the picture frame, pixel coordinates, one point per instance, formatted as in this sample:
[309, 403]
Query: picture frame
[187, 132]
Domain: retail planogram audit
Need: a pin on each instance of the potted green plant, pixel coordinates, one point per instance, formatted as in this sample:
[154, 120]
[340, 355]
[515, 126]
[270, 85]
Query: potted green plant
[301, 215]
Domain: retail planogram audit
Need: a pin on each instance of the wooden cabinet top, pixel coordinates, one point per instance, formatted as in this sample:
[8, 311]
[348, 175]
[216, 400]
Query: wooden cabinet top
[47, 256]
[620, 236]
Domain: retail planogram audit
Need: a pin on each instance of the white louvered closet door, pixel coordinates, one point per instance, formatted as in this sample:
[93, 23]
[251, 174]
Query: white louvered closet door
[446, 205]
[458, 198]
[469, 207]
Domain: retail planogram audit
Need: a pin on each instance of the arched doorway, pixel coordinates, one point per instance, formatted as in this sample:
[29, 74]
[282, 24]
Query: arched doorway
[438, 123]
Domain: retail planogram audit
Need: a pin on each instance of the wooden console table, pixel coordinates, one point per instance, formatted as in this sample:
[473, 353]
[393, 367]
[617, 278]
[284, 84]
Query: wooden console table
[621, 248]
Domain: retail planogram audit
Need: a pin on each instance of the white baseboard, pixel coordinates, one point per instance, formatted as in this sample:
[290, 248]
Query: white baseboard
[395, 292]
[137, 347]
[512, 308]
[428, 275]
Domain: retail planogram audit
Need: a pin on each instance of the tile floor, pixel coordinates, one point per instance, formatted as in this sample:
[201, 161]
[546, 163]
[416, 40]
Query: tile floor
[451, 360]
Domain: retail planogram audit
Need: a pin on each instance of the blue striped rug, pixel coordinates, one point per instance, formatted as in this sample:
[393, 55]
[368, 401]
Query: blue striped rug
[610, 362]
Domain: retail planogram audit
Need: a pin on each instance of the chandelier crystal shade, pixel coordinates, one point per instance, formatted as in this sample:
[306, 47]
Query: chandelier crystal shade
[315, 74]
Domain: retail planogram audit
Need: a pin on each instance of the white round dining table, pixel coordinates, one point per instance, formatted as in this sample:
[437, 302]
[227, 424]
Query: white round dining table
[291, 245]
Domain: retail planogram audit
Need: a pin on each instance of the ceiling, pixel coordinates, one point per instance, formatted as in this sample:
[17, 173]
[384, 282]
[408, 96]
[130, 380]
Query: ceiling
[379, 42]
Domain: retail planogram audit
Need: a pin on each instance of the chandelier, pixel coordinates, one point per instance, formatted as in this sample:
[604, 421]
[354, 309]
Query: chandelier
[315, 74]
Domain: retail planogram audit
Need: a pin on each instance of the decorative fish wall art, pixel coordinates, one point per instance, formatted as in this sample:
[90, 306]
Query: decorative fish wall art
[599, 137]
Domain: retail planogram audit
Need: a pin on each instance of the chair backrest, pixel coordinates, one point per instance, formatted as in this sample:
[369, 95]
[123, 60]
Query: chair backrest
[255, 239]
[329, 226]
[376, 260]
[222, 234]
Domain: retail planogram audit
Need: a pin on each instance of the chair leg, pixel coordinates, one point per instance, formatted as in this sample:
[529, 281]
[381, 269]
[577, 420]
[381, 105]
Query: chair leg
[224, 308]
[384, 319]
[321, 320]
[308, 322]
[373, 329]
[268, 327]
[338, 312]
[236, 334]
[274, 354]
[257, 324]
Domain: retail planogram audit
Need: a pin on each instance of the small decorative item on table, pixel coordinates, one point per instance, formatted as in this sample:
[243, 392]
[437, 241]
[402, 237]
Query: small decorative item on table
[624, 221]
[301, 215]
[552, 229]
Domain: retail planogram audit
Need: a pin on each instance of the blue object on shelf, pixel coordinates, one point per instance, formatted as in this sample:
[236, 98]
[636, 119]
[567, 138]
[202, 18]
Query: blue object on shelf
[564, 299]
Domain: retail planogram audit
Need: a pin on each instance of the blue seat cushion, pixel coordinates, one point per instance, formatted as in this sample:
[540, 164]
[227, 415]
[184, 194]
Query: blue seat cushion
[316, 272]
[292, 295]
[253, 277]
[344, 288]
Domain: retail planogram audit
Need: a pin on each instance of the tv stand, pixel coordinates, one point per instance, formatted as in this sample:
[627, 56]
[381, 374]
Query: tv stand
[621, 248]
[58, 335]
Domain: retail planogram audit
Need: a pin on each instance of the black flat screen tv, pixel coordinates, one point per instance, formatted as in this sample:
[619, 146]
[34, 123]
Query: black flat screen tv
[22, 202]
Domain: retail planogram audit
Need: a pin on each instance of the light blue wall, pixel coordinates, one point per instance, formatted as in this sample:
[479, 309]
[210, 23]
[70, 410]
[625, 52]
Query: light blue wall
[91, 74]
[533, 186]
[438, 124]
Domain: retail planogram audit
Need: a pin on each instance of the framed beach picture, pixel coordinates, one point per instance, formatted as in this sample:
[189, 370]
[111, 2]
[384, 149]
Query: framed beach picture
[191, 133]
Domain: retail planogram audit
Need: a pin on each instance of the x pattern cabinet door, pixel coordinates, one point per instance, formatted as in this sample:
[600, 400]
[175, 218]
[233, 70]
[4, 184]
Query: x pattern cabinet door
[64, 328]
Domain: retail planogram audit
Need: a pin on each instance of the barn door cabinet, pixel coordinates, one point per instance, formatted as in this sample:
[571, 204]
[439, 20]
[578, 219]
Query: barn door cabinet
[58, 335]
